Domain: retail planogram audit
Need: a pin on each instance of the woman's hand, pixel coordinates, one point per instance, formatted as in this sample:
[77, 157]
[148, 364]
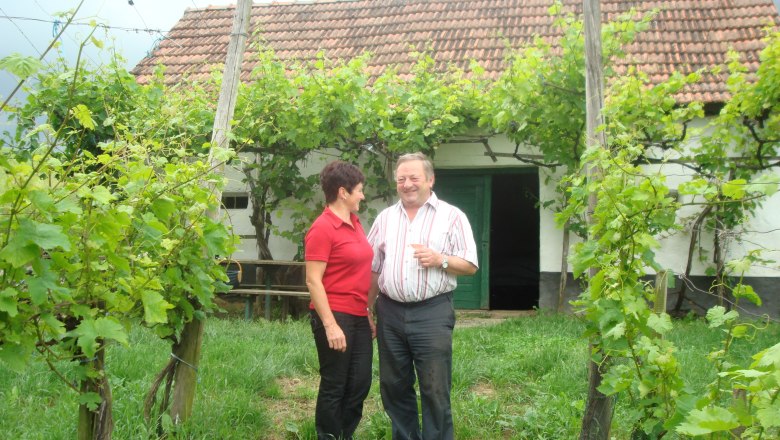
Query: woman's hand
[336, 339]
[372, 324]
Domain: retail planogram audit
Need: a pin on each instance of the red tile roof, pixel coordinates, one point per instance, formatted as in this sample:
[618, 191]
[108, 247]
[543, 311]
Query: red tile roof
[685, 36]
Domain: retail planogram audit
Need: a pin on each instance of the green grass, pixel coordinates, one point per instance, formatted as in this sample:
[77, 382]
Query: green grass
[522, 379]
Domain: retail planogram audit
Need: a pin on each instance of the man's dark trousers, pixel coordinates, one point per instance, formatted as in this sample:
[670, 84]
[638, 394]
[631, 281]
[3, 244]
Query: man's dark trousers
[416, 337]
[345, 378]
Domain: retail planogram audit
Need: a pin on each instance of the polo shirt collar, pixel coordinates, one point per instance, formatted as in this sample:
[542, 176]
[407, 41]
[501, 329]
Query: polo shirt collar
[336, 221]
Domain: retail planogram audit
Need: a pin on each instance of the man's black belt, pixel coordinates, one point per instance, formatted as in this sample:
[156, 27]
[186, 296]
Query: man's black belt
[426, 302]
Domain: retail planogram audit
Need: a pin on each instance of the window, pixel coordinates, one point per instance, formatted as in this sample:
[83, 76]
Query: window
[235, 200]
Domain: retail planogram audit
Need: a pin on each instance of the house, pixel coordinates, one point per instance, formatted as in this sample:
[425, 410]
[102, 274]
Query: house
[521, 258]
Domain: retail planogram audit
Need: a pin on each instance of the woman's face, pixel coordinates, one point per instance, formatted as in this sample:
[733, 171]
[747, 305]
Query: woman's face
[353, 199]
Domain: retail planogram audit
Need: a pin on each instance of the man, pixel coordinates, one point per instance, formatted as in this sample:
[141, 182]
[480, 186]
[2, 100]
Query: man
[420, 246]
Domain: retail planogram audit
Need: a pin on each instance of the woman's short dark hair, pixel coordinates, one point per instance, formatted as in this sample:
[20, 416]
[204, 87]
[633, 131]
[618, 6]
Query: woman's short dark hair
[339, 174]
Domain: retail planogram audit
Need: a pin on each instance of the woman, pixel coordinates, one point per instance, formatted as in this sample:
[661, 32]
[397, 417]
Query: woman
[338, 275]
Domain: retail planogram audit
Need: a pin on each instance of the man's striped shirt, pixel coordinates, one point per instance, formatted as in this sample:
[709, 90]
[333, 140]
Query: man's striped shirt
[437, 225]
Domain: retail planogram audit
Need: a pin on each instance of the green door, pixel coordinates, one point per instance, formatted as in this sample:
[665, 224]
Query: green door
[471, 194]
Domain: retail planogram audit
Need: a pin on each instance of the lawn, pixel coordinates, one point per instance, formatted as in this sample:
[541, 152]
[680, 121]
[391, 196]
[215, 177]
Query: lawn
[524, 378]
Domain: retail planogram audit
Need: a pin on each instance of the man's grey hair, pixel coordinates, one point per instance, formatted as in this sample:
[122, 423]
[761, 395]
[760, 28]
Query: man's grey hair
[427, 164]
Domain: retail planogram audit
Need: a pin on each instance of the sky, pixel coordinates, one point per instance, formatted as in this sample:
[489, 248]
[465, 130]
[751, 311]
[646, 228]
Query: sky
[27, 27]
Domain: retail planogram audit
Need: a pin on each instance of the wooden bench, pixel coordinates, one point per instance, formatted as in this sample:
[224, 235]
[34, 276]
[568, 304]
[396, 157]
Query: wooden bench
[251, 291]
[249, 294]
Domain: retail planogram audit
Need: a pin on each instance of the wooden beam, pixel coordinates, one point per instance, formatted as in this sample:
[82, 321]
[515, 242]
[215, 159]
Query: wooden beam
[597, 419]
[187, 350]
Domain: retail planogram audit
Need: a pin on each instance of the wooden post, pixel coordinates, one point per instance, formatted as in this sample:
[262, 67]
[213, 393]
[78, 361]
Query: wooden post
[187, 353]
[564, 268]
[659, 302]
[188, 348]
[97, 424]
[268, 278]
[695, 237]
[597, 419]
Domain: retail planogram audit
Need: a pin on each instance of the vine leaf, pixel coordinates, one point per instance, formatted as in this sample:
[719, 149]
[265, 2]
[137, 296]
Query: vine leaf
[90, 331]
[707, 421]
[42, 235]
[29, 238]
[584, 258]
[734, 189]
[16, 356]
[39, 286]
[155, 307]
[82, 114]
[662, 323]
[101, 194]
[717, 316]
[747, 292]
[164, 208]
[91, 400]
[769, 417]
[8, 301]
[20, 66]
[110, 328]
[768, 358]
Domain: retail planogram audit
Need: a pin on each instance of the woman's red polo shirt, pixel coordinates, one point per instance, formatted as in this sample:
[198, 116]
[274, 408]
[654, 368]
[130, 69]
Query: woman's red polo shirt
[345, 250]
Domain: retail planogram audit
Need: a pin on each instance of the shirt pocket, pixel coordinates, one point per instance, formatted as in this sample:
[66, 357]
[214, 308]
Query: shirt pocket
[439, 241]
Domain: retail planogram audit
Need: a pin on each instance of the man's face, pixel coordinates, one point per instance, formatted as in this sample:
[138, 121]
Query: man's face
[413, 186]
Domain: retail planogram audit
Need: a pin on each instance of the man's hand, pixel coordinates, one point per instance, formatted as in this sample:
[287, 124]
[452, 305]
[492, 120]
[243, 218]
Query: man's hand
[427, 257]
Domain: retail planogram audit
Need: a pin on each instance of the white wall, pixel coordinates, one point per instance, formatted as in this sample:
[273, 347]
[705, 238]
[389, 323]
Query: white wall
[762, 230]
[281, 248]
[472, 155]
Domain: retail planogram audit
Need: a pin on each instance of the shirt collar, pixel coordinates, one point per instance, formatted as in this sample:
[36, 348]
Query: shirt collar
[336, 221]
[433, 201]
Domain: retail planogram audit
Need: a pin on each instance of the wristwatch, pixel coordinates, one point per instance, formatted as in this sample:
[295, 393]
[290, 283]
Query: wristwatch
[444, 263]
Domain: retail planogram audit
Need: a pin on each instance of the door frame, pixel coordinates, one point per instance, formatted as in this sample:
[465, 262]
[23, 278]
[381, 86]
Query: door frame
[483, 248]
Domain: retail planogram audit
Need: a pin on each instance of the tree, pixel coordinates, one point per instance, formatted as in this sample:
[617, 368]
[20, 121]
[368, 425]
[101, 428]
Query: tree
[538, 103]
[633, 208]
[291, 114]
[740, 144]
